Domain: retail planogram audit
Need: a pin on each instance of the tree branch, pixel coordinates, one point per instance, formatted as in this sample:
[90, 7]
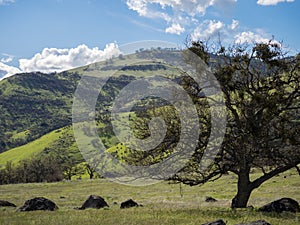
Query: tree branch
[256, 183]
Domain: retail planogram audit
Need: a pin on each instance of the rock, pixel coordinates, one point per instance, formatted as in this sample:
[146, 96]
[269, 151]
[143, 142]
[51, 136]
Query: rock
[217, 222]
[95, 202]
[259, 222]
[39, 203]
[283, 204]
[210, 199]
[6, 204]
[128, 204]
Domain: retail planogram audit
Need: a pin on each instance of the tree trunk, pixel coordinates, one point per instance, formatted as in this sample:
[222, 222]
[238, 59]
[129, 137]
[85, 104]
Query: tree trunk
[244, 191]
[91, 175]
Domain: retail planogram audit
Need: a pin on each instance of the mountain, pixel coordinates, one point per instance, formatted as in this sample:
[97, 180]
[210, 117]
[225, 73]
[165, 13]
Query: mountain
[36, 108]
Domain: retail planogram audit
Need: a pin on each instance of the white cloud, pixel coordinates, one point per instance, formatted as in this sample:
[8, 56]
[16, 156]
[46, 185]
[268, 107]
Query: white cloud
[272, 2]
[190, 7]
[141, 7]
[6, 70]
[175, 29]
[234, 25]
[4, 2]
[178, 14]
[7, 58]
[207, 29]
[250, 38]
[57, 60]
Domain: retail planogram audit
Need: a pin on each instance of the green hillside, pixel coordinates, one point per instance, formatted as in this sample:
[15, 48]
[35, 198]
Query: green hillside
[36, 110]
[28, 150]
[35, 107]
[34, 104]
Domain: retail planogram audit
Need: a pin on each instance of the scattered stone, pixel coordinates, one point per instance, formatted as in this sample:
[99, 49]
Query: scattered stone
[95, 202]
[128, 204]
[210, 199]
[39, 203]
[283, 204]
[259, 222]
[6, 204]
[62, 197]
[217, 222]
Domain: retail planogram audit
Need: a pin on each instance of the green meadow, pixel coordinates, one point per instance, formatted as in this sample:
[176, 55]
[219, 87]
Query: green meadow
[163, 203]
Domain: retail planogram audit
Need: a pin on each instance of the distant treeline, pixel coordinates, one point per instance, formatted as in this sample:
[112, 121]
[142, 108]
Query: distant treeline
[45, 169]
[150, 67]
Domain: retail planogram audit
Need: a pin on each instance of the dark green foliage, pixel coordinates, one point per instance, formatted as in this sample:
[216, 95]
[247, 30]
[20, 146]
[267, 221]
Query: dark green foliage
[151, 67]
[38, 169]
[37, 103]
[261, 88]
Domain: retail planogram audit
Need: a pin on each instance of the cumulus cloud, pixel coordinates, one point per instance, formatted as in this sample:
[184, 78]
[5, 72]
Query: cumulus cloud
[175, 29]
[211, 28]
[57, 60]
[178, 14]
[6, 70]
[272, 2]
[207, 29]
[4, 2]
[251, 37]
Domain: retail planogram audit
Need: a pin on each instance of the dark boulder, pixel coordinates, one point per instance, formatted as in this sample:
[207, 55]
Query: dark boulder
[6, 204]
[283, 204]
[95, 202]
[259, 222]
[217, 222]
[128, 204]
[39, 203]
[210, 199]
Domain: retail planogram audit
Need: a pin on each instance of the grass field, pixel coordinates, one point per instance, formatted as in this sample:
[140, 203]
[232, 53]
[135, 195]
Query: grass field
[163, 203]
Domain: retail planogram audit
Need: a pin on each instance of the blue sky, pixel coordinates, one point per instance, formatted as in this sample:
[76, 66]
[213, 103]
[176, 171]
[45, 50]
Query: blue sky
[54, 35]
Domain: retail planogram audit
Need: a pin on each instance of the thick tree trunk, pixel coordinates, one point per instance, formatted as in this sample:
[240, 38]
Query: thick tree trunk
[244, 191]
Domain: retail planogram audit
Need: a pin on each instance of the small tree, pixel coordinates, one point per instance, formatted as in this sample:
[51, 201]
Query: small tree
[90, 170]
[71, 170]
[261, 87]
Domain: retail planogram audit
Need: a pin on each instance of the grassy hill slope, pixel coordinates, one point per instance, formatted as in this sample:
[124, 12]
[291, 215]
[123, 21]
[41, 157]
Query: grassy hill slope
[26, 151]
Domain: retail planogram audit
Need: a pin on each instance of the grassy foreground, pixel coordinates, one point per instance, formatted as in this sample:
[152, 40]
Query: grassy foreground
[164, 203]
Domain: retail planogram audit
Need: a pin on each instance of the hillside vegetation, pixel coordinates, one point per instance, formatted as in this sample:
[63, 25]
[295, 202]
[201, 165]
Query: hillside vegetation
[36, 117]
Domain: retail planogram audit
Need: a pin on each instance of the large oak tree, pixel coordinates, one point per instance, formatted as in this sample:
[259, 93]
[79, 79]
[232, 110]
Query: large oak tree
[261, 87]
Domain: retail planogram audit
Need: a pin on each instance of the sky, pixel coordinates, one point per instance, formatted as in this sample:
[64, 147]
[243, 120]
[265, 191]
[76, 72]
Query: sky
[56, 35]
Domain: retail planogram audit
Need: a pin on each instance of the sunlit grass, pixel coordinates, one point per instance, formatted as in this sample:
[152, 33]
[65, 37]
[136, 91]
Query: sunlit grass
[164, 203]
[27, 151]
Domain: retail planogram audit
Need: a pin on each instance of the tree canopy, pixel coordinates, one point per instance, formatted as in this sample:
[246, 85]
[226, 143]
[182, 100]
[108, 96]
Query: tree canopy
[261, 87]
